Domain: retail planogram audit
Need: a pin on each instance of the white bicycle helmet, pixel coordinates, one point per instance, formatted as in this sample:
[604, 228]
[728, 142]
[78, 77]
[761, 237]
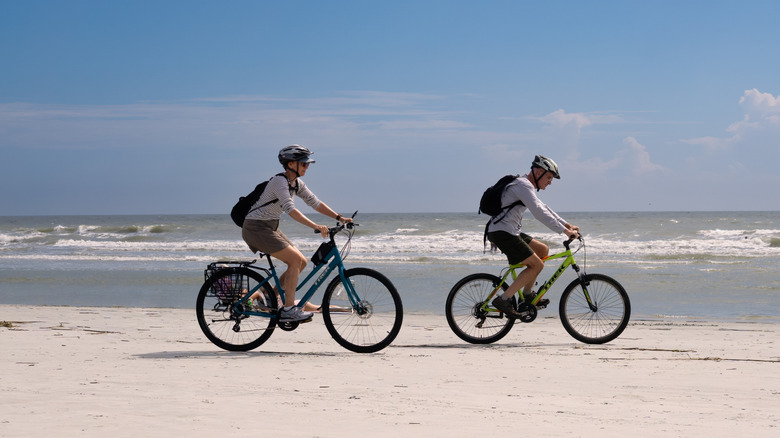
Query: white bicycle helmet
[546, 164]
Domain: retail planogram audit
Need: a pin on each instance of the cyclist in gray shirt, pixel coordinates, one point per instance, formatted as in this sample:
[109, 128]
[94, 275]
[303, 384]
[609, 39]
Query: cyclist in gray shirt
[505, 233]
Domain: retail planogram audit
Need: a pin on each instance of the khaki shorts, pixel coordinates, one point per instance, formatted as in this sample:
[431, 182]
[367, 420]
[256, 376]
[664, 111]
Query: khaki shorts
[516, 248]
[264, 236]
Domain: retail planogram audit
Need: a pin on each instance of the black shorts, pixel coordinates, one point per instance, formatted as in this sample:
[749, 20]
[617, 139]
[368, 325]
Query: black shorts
[516, 248]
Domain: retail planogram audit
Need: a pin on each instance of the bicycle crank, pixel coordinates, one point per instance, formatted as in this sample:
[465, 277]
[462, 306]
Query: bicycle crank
[527, 312]
[288, 326]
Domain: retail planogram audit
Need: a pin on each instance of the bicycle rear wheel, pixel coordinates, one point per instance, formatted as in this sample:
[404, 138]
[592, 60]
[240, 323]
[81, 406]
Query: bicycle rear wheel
[608, 317]
[466, 316]
[373, 322]
[223, 319]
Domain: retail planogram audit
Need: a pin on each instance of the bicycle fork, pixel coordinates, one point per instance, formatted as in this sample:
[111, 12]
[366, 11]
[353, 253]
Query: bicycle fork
[584, 284]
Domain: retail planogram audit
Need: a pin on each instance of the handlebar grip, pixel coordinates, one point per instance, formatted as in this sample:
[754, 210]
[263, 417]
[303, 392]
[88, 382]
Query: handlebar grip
[568, 241]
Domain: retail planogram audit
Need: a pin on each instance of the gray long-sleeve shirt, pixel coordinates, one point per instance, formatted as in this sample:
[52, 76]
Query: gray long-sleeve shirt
[522, 189]
[279, 188]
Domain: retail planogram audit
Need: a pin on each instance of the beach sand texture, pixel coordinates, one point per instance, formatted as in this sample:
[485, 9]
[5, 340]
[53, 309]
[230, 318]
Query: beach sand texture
[122, 372]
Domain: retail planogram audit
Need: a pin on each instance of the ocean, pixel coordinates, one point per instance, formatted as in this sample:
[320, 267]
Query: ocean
[673, 264]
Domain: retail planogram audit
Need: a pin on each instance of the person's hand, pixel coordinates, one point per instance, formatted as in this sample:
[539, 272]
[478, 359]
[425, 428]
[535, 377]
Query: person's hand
[323, 230]
[343, 219]
[572, 233]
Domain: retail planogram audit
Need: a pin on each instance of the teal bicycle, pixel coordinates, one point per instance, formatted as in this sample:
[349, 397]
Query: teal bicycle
[594, 308]
[238, 309]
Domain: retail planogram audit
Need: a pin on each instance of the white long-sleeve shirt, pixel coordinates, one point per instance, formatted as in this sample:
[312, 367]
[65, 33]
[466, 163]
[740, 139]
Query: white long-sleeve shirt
[522, 189]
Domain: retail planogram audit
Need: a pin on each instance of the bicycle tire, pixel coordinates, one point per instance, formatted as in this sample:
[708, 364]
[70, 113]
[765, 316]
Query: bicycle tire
[221, 319]
[374, 322]
[604, 324]
[464, 314]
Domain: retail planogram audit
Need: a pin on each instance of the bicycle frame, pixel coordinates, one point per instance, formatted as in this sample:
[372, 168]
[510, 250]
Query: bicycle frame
[331, 262]
[568, 257]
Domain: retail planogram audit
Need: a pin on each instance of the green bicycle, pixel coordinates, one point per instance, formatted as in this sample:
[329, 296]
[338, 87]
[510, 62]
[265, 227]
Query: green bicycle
[238, 309]
[594, 308]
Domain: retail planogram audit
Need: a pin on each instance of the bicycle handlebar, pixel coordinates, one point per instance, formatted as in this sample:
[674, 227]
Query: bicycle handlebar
[334, 230]
[571, 239]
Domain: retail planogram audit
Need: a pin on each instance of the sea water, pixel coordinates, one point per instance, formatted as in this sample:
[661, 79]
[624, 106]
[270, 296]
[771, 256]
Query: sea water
[673, 264]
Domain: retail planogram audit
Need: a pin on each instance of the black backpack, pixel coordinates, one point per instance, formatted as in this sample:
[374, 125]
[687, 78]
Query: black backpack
[490, 203]
[245, 203]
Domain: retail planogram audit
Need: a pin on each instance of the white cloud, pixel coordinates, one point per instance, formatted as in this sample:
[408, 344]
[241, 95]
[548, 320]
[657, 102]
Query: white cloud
[636, 156]
[633, 158]
[756, 101]
[562, 131]
[711, 143]
[759, 127]
[234, 121]
[561, 118]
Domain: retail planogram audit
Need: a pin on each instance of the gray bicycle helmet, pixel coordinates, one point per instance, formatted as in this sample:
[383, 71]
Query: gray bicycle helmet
[546, 164]
[295, 152]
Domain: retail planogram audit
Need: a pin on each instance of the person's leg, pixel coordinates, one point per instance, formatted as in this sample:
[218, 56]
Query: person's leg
[296, 263]
[517, 251]
[526, 278]
[541, 250]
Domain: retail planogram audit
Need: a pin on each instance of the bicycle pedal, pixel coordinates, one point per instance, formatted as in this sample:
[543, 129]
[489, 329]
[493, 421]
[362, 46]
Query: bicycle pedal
[300, 321]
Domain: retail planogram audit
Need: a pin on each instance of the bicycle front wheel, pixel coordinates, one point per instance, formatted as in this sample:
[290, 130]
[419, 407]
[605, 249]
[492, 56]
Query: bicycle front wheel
[224, 320]
[602, 322]
[466, 315]
[368, 321]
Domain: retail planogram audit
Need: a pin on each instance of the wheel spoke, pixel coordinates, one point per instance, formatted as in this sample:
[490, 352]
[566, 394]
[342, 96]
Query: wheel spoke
[612, 312]
[223, 318]
[373, 321]
[465, 313]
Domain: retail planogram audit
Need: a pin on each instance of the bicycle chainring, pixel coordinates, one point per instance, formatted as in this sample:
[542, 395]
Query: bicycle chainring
[288, 326]
[527, 311]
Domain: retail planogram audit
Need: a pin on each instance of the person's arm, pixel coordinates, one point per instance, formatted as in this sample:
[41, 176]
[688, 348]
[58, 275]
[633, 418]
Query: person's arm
[327, 211]
[526, 193]
[303, 220]
[571, 231]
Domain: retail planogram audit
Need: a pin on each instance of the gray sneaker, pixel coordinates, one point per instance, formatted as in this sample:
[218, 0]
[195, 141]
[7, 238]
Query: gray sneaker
[292, 314]
[505, 306]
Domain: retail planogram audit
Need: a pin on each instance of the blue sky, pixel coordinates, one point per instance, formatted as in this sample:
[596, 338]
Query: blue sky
[153, 107]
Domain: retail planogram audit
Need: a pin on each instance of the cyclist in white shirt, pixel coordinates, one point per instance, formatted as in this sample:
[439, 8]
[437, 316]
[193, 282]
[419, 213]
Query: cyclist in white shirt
[505, 233]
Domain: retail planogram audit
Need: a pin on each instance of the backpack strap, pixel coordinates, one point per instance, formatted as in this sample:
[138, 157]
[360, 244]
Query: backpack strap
[505, 211]
[273, 200]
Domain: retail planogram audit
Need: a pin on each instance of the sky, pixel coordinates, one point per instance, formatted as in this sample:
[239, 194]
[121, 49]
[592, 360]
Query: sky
[180, 107]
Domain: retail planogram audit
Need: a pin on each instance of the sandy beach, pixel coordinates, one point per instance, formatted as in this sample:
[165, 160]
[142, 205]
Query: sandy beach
[121, 372]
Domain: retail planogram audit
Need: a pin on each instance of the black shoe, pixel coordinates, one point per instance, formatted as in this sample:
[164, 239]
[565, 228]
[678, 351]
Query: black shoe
[505, 306]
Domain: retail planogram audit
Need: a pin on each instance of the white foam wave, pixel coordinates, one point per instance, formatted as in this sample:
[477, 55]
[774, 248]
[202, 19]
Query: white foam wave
[402, 245]
[104, 258]
[109, 245]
